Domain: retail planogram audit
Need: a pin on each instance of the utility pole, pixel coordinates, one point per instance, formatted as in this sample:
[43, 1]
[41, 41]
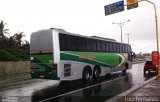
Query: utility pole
[121, 24]
[128, 37]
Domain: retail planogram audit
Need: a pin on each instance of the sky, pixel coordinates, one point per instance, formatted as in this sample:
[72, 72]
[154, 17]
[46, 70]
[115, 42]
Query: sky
[85, 17]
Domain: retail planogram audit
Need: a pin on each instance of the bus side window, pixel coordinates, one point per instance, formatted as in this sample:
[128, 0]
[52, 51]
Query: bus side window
[99, 46]
[117, 48]
[67, 42]
[111, 47]
[62, 42]
[121, 50]
[129, 49]
[114, 47]
[74, 43]
[126, 47]
[103, 46]
[82, 44]
[88, 44]
[94, 45]
[107, 46]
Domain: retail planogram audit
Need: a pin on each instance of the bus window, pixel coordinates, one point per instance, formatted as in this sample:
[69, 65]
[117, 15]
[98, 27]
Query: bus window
[111, 47]
[114, 47]
[88, 44]
[62, 42]
[129, 49]
[68, 42]
[107, 46]
[117, 47]
[94, 45]
[123, 47]
[103, 46]
[126, 48]
[99, 46]
[74, 43]
[82, 44]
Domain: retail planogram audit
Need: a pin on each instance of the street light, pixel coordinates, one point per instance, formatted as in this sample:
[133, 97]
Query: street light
[121, 24]
[128, 37]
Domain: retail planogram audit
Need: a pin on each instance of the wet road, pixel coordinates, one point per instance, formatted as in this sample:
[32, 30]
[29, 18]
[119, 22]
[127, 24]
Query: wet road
[93, 91]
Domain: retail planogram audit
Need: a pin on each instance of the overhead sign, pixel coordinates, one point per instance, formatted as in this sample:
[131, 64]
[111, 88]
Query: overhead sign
[155, 57]
[114, 8]
[132, 4]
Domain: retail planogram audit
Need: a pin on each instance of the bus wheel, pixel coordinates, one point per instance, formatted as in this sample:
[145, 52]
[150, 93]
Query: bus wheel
[108, 75]
[125, 69]
[144, 72]
[96, 72]
[87, 72]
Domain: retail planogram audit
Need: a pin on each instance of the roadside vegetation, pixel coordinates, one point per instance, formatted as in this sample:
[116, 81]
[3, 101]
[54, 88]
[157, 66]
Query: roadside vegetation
[12, 48]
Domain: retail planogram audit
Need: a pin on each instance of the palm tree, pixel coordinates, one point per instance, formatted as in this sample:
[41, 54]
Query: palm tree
[11, 42]
[18, 38]
[3, 38]
[3, 31]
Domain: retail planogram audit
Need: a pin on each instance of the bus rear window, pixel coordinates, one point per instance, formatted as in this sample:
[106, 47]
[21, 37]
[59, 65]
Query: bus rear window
[41, 42]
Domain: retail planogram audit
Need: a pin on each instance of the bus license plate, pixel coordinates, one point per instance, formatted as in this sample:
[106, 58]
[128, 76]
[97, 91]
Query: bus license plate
[41, 76]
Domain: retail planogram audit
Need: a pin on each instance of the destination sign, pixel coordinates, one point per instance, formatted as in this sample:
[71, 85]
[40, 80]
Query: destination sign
[114, 8]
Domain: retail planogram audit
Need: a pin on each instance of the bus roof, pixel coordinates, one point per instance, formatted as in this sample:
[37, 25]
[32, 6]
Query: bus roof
[92, 37]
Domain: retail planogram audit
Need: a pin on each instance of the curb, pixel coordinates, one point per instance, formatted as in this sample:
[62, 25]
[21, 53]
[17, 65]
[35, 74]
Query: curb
[9, 81]
[138, 62]
[13, 83]
[119, 96]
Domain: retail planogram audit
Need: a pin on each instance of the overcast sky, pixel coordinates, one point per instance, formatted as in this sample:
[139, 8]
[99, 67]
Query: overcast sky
[85, 17]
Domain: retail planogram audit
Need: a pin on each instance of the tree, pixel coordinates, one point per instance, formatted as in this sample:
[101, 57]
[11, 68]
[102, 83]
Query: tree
[3, 38]
[3, 31]
[11, 42]
[18, 38]
[13, 48]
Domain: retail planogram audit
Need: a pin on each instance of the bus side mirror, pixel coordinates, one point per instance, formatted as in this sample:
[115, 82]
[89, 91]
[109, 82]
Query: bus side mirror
[133, 54]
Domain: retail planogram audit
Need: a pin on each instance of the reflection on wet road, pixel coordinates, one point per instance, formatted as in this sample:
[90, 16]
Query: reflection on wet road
[91, 92]
[78, 91]
[137, 74]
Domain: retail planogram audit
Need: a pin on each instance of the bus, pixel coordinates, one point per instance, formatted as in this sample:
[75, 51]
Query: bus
[60, 55]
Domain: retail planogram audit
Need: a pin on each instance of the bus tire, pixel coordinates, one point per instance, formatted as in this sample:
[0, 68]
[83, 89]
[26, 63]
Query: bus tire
[108, 75]
[144, 72]
[96, 72]
[87, 73]
[125, 69]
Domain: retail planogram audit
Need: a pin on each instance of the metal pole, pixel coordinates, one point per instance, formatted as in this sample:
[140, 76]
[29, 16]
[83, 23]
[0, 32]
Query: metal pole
[156, 22]
[121, 32]
[128, 37]
[121, 24]
[157, 39]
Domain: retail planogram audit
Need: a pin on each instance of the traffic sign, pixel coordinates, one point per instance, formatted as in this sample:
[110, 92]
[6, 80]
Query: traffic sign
[114, 8]
[132, 4]
[155, 57]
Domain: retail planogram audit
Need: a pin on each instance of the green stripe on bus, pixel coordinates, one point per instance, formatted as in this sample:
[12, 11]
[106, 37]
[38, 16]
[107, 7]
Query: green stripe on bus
[43, 60]
[95, 58]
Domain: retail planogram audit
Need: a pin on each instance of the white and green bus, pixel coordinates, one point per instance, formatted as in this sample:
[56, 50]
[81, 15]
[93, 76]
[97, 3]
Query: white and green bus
[59, 55]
